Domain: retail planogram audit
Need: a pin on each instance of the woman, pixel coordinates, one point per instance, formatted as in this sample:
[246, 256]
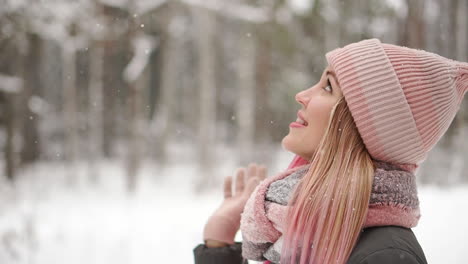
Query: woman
[349, 196]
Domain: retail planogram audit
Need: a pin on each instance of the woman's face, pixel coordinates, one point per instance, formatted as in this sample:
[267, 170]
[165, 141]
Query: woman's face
[317, 102]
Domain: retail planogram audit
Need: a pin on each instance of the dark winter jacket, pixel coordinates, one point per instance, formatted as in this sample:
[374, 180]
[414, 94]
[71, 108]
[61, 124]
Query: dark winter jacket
[376, 245]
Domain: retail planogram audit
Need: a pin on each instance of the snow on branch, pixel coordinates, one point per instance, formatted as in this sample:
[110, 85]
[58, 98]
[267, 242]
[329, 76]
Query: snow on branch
[10, 84]
[141, 6]
[38, 105]
[225, 8]
[232, 10]
[122, 4]
[143, 45]
[146, 6]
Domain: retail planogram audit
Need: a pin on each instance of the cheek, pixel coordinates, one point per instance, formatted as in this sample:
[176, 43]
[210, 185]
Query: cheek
[318, 122]
[318, 117]
[323, 120]
[312, 136]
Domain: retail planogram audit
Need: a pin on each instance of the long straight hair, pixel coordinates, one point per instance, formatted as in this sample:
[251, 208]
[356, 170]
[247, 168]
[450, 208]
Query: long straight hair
[329, 205]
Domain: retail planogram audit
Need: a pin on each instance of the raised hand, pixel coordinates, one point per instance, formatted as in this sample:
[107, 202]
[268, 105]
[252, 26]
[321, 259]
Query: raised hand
[224, 223]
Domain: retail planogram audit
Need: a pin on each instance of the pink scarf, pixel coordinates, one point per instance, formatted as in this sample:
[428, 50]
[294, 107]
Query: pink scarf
[393, 201]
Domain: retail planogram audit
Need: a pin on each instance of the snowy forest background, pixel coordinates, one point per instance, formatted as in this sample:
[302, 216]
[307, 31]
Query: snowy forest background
[120, 118]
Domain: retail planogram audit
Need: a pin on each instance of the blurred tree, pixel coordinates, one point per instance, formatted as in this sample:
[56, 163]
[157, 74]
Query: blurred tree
[246, 97]
[95, 95]
[134, 75]
[225, 73]
[413, 31]
[163, 122]
[205, 21]
[30, 147]
[70, 112]
[10, 87]
[459, 36]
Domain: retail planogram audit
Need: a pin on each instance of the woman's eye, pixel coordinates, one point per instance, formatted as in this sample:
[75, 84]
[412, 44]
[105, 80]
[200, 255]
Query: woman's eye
[328, 86]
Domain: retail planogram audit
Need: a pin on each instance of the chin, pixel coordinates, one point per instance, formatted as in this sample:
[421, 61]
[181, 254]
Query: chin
[288, 144]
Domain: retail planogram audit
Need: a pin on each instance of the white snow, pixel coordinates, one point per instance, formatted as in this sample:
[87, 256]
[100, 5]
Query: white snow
[237, 11]
[443, 229]
[141, 6]
[10, 84]
[300, 6]
[45, 221]
[143, 45]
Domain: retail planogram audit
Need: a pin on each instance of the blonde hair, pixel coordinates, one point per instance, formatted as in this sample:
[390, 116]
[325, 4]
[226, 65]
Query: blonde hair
[329, 205]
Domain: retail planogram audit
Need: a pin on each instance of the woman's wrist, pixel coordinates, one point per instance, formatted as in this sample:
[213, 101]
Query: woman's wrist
[215, 243]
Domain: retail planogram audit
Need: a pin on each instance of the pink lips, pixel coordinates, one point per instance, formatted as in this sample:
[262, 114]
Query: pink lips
[296, 124]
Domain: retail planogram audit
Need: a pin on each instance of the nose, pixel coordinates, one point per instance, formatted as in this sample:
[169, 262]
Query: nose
[303, 97]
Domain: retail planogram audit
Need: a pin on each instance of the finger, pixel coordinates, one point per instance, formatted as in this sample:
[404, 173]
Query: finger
[262, 173]
[250, 186]
[252, 170]
[240, 180]
[227, 187]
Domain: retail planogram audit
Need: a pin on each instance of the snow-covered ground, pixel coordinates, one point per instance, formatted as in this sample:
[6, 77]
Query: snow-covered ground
[44, 221]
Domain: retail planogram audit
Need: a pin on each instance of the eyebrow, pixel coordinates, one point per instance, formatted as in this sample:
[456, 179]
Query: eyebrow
[329, 72]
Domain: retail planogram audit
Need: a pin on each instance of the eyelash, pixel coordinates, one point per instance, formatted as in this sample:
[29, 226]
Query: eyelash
[328, 85]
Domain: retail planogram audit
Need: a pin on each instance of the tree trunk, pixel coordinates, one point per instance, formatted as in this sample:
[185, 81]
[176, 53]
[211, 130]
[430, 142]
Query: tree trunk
[247, 100]
[30, 149]
[205, 22]
[459, 142]
[95, 110]
[136, 128]
[9, 121]
[452, 29]
[136, 76]
[133, 136]
[332, 35]
[162, 123]
[70, 108]
[113, 87]
[133, 151]
[443, 47]
[414, 29]
[262, 93]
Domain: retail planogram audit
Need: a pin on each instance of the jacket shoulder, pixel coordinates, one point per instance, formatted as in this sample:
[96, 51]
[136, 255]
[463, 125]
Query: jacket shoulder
[390, 256]
[231, 254]
[387, 244]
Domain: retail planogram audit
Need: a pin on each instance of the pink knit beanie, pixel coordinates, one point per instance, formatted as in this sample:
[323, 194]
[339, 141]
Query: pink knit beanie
[402, 100]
